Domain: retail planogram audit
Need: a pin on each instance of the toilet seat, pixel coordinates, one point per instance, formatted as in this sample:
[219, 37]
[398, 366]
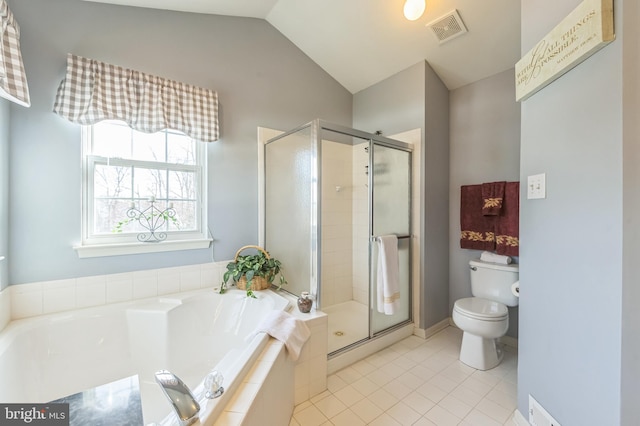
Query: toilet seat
[481, 309]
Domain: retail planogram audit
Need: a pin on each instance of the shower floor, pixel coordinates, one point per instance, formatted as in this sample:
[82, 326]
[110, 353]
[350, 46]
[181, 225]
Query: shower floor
[348, 323]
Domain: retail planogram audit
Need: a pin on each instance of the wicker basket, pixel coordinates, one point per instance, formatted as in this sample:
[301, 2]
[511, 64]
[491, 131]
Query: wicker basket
[257, 283]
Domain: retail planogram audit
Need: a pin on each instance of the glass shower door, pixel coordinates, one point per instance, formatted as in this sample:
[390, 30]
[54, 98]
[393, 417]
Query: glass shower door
[291, 199]
[390, 192]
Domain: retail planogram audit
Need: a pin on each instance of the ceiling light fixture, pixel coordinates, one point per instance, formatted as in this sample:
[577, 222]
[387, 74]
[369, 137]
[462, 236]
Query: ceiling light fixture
[413, 9]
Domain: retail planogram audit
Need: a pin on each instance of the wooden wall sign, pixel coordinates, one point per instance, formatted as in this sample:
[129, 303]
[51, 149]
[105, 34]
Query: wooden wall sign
[587, 29]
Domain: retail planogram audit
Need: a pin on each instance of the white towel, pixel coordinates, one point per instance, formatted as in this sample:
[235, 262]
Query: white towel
[289, 330]
[388, 281]
[487, 256]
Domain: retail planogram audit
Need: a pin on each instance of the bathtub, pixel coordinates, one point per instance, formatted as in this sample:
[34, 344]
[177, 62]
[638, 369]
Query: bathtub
[51, 356]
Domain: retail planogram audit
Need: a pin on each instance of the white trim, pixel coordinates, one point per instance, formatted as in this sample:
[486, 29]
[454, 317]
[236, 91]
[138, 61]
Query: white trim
[426, 333]
[101, 250]
[518, 419]
[128, 239]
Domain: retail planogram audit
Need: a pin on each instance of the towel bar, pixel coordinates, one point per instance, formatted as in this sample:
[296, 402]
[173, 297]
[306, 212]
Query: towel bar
[400, 237]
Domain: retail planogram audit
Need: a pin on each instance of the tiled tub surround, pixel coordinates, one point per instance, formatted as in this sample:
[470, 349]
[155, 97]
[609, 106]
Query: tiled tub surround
[43, 298]
[28, 300]
[275, 384]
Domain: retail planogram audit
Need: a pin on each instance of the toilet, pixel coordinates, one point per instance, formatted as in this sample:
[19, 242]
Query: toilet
[485, 317]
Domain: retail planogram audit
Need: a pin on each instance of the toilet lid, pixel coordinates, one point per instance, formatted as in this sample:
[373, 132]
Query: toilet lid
[477, 307]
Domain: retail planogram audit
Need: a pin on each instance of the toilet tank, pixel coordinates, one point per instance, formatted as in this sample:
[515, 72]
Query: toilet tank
[493, 281]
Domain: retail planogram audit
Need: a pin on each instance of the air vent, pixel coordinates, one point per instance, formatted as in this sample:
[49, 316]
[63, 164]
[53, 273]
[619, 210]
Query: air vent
[448, 27]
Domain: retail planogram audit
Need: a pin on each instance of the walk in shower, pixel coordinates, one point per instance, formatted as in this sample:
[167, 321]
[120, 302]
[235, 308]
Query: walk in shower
[330, 192]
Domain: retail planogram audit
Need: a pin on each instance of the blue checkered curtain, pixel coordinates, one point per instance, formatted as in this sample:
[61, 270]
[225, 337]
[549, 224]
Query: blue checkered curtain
[93, 91]
[13, 81]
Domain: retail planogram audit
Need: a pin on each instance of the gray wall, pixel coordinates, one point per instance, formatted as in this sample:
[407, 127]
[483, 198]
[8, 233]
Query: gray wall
[572, 242]
[485, 147]
[417, 98]
[4, 191]
[630, 409]
[262, 80]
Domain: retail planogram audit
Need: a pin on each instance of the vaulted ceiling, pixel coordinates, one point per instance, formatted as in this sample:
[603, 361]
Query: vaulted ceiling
[361, 42]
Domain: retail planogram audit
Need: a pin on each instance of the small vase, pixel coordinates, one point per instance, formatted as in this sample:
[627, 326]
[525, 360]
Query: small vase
[304, 303]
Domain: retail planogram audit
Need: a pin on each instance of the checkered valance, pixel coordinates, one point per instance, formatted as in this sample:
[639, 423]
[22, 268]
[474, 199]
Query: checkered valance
[93, 91]
[13, 81]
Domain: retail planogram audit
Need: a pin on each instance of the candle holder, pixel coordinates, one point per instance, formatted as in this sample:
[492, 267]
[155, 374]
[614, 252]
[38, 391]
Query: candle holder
[152, 219]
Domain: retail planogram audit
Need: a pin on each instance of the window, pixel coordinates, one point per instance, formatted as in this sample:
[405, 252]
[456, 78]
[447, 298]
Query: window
[140, 188]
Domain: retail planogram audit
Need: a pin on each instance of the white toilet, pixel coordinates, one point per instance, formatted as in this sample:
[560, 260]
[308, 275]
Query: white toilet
[485, 317]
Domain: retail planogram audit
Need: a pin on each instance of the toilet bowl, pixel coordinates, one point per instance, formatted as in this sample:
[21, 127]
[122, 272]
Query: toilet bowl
[482, 321]
[485, 317]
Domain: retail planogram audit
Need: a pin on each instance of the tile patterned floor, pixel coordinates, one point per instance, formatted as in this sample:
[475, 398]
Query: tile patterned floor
[415, 382]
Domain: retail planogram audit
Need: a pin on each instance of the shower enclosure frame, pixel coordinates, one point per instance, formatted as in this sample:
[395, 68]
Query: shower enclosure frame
[316, 128]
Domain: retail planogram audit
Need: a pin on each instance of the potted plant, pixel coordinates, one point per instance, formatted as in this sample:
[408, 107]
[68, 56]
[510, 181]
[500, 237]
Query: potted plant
[252, 272]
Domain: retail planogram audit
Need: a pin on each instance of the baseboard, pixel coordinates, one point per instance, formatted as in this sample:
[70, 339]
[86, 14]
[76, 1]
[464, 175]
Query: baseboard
[518, 419]
[509, 341]
[425, 333]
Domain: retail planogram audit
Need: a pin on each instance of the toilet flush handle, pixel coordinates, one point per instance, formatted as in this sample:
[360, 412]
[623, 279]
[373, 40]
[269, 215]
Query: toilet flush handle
[473, 268]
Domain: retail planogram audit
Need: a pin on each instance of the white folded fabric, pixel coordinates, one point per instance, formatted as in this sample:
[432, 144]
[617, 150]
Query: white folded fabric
[487, 256]
[289, 330]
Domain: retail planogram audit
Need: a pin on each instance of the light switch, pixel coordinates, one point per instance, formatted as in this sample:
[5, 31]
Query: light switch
[536, 187]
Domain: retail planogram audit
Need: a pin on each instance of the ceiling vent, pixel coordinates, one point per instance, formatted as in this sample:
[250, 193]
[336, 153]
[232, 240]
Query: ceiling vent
[448, 27]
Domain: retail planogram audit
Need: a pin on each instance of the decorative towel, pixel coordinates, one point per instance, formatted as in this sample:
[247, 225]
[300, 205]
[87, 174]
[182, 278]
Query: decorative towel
[476, 230]
[495, 258]
[289, 330]
[508, 223]
[388, 276]
[492, 196]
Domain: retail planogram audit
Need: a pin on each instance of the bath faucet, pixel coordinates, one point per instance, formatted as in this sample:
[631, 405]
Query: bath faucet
[185, 405]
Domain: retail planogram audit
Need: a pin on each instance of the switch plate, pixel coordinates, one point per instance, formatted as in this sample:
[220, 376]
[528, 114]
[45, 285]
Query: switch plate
[536, 187]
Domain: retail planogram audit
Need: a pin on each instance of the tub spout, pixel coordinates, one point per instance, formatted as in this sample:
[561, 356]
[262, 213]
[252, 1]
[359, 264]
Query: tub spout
[186, 406]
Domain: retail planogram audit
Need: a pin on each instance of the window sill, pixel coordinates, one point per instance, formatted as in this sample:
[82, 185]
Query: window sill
[103, 250]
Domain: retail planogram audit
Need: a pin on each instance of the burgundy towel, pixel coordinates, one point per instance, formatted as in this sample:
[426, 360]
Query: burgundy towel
[492, 196]
[476, 230]
[508, 223]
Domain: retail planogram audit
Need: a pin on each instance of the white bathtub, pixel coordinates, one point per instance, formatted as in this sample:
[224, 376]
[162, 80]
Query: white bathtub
[52, 356]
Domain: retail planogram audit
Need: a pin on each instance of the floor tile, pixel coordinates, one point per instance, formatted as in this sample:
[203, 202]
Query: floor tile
[365, 386]
[385, 420]
[415, 382]
[493, 410]
[397, 389]
[442, 417]
[476, 418]
[403, 414]
[330, 406]
[455, 406]
[383, 399]
[310, 416]
[347, 418]
[349, 395]
[366, 410]
[419, 403]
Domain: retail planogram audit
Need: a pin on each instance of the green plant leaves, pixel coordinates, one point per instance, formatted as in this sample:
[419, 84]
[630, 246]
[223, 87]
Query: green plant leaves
[250, 266]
